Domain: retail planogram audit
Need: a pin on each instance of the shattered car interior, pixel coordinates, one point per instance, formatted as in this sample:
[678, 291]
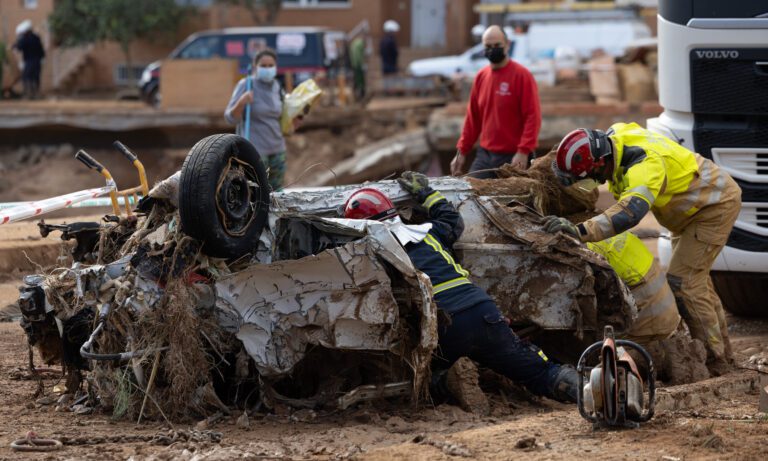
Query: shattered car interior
[294, 306]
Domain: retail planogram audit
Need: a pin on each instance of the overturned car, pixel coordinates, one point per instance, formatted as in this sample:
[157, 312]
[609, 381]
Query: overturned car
[219, 294]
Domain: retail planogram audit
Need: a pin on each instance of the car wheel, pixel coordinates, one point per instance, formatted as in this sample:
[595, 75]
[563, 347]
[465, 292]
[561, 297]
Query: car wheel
[224, 195]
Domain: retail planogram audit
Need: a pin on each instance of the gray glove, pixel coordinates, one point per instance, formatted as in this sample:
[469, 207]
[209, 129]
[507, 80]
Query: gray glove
[413, 182]
[555, 224]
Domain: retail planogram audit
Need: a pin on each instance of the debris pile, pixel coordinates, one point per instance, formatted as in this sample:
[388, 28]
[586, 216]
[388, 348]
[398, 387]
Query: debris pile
[146, 295]
[538, 188]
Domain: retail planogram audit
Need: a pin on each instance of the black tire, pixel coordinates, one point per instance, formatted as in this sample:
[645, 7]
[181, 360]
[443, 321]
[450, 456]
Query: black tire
[742, 293]
[224, 195]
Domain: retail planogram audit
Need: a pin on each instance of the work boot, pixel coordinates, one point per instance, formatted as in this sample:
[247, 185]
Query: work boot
[566, 385]
[462, 380]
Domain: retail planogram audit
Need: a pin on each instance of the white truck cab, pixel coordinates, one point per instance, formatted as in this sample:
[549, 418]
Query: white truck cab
[713, 86]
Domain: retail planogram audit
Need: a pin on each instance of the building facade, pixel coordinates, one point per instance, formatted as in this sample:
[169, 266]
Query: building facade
[427, 28]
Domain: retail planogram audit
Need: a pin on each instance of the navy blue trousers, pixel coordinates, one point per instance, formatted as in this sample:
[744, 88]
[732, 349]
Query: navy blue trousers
[482, 334]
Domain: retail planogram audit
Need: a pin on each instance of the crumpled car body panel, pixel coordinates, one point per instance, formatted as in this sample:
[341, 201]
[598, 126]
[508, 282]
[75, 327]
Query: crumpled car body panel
[536, 278]
[340, 298]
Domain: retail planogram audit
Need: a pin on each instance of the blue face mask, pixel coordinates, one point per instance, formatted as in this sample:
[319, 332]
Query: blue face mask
[266, 74]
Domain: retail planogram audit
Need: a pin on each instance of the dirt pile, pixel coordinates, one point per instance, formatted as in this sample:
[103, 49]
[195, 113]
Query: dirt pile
[680, 359]
[539, 188]
[462, 381]
[316, 150]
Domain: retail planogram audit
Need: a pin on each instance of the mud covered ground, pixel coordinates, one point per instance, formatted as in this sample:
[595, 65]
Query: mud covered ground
[713, 419]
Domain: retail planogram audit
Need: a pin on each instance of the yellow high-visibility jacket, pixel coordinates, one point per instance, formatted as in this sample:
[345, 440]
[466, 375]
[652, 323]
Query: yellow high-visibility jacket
[634, 264]
[627, 255]
[654, 172]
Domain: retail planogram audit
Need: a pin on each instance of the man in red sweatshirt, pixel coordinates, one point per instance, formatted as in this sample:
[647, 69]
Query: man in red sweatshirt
[503, 112]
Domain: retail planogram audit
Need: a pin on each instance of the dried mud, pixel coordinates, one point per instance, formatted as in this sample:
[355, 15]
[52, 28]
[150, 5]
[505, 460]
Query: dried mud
[683, 360]
[463, 383]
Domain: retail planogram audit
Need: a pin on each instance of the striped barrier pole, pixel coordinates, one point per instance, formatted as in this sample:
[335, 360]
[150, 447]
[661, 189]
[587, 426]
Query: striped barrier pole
[32, 209]
[99, 202]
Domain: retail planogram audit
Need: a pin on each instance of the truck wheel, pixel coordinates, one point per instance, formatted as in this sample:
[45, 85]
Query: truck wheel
[742, 293]
[224, 195]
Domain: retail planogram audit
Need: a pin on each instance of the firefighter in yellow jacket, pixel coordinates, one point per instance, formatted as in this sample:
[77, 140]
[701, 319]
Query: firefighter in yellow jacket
[657, 315]
[688, 194]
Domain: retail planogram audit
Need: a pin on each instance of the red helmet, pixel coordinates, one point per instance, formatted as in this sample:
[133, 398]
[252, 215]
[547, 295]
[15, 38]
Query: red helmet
[581, 152]
[369, 203]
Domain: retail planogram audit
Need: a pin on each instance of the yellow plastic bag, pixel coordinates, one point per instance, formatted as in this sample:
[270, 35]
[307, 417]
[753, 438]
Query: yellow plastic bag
[298, 102]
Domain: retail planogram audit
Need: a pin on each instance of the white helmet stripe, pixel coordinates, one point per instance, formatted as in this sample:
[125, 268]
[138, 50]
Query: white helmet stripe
[368, 196]
[572, 151]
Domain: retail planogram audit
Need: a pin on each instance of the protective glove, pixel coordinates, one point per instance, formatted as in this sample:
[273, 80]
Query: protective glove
[413, 182]
[554, 224]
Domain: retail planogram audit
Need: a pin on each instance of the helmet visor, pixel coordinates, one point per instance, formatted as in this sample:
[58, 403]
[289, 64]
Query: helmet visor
[586, 185]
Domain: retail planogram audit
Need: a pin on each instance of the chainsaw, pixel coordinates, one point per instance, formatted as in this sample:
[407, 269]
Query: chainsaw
[613, 395]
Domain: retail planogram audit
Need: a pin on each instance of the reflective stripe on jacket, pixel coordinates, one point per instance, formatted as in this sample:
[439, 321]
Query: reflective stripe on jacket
[451, 286]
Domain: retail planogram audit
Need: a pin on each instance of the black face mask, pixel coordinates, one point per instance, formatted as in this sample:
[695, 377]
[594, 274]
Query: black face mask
[495, 54]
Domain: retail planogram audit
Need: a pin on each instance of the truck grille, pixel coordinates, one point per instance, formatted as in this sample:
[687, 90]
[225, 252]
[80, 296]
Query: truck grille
[729, 81]
[753, 217]
[746, 164]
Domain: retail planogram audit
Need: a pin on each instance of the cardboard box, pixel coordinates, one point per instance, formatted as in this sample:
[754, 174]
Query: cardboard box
[198, 83]
[637, 83]
[603, 80]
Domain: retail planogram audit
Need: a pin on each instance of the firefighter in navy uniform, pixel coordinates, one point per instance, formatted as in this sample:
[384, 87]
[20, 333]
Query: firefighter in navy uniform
[476, 329]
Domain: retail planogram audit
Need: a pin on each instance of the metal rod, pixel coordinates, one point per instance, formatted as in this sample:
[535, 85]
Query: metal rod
[247, 123]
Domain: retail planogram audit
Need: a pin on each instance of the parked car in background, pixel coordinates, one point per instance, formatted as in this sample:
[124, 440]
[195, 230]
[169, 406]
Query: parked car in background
[539, 48]
[303, 52]
[469, 62]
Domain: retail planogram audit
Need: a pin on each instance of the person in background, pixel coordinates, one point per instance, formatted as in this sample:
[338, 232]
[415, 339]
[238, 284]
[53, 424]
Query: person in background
[266, 101]
[357, 61]
[30, 47]
[503, 111]
[388, 48]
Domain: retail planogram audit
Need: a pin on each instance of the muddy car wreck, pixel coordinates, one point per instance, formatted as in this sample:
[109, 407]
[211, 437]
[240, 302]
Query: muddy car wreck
[216, 294]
